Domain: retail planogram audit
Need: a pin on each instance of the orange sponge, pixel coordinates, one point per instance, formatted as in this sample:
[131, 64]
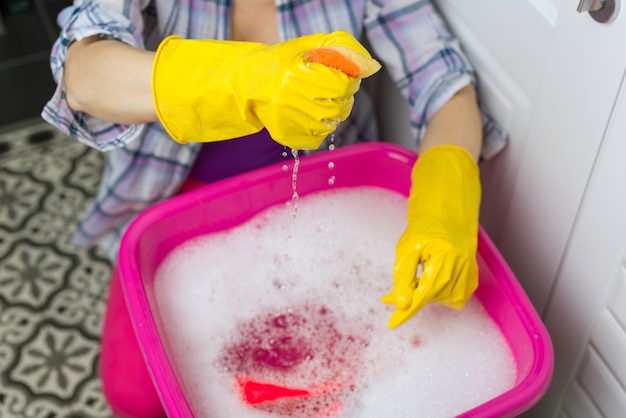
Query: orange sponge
[345, 60]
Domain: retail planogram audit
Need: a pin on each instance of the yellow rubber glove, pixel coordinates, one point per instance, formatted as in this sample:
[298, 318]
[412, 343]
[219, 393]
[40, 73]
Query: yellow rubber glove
[442, 234]
[206, 90]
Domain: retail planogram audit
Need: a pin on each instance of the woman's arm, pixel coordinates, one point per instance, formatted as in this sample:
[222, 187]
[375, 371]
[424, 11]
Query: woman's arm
[110, 80]
[458, 122]
[443, 212]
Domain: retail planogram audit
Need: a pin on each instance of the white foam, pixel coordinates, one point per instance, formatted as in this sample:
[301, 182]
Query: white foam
[324, 271]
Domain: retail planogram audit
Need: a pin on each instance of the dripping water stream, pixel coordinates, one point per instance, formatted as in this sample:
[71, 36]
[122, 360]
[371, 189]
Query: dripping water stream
[296, 165]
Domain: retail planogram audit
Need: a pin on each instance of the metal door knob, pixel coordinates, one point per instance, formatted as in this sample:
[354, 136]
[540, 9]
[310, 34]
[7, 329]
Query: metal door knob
[603, 11]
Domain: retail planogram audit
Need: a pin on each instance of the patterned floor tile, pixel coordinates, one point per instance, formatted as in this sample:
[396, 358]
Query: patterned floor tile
[20, 196]
[30, 275]
[55, 362]
[52, 294]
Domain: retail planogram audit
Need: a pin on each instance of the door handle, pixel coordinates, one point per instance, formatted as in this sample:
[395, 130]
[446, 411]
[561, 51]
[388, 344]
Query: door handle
[603, 11]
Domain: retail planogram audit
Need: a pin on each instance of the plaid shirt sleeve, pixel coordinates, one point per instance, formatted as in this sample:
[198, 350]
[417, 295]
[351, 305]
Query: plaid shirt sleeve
[144, 166]
[424, 61]
[77, 22]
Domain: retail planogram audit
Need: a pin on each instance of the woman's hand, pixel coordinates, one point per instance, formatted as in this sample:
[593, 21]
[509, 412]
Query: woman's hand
[216, 90]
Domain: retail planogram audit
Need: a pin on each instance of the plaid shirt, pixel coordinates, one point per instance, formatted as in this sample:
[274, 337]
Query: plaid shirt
[145, 166]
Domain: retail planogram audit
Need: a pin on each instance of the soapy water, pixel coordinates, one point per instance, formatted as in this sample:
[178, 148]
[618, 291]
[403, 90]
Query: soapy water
[293, 303]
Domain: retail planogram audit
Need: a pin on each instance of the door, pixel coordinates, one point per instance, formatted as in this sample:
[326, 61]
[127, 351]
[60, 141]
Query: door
[551, 76]
[591, 287]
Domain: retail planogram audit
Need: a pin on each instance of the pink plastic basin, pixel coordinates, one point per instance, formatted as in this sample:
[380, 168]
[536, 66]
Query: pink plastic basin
[223, 205]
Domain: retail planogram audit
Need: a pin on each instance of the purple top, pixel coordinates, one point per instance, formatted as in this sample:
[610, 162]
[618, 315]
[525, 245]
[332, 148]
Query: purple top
[222, 159]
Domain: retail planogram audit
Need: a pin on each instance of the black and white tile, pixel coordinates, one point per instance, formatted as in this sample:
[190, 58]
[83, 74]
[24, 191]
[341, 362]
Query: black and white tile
[52, 294]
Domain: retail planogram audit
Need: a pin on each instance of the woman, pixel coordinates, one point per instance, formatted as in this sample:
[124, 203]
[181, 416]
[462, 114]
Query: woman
[111, 96]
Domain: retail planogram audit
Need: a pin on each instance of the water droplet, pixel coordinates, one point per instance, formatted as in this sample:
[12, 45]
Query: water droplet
[294, 179]
[330, 123]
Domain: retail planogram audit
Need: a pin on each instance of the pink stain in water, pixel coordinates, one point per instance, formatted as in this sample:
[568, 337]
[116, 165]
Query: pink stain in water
[275, 343]
[308, 345]
[416, 341]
